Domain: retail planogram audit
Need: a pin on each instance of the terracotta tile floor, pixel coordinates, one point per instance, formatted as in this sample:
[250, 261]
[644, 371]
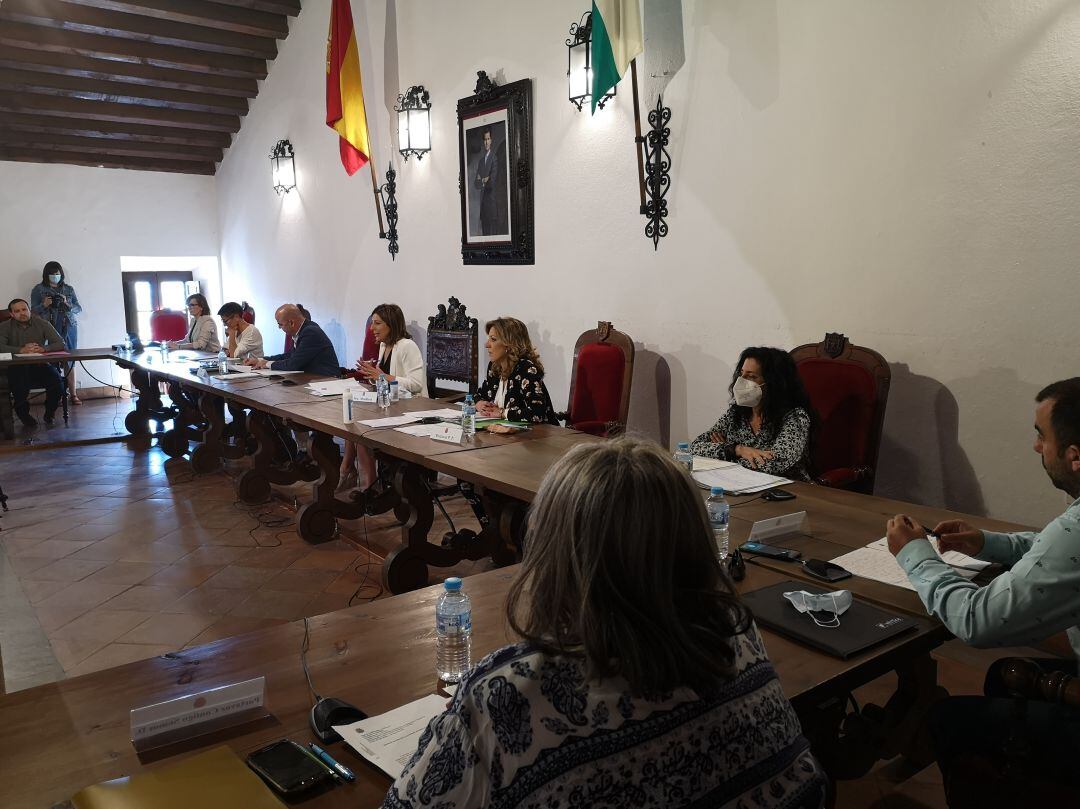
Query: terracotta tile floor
[113, 558]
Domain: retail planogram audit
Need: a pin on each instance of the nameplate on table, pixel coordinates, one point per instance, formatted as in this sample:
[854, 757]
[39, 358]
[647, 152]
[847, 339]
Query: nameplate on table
[450, 433]
[775, 527]
[196, 714]
[5, 356]
[351, 397]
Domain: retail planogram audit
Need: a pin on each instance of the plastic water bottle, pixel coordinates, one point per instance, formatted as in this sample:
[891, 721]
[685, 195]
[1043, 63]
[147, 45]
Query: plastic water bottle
[719, 510]
[468, 418]
[382, 392]
[222, 362]
[453, 629]
[128, 347]
[684, 457]
[394, 388]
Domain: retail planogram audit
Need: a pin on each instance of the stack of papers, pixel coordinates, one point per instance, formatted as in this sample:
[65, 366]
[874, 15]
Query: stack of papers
[876, 562]
[389, 741]
[736, 479]
[335, 387]
[409, 418]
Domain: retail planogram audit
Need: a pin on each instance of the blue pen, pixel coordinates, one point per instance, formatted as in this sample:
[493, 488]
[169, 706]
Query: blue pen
[329, 761]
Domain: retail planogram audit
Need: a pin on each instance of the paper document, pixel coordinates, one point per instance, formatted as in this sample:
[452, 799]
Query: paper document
[271, 372]
[388, 741]
[702, 464]
[877, 563]
[421, 430]
[738, 479]
[336, 387]
[48, 354]
[443, 413]
[391, 421]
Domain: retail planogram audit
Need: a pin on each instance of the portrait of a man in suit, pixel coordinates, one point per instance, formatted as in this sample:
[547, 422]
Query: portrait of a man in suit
[488, 203]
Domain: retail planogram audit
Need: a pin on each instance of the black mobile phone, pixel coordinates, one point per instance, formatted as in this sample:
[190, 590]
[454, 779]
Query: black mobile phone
[768, 550]
[777, 495]
[287, 768]
[825, 570]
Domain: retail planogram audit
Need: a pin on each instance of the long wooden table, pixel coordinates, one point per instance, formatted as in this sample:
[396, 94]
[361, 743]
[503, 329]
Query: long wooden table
[61, 737]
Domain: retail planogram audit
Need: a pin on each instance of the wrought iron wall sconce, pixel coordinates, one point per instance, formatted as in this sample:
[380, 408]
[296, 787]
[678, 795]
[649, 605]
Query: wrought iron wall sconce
[283, 167]
[414, 122]
[579, 64]
[657, 171]
[388, 194]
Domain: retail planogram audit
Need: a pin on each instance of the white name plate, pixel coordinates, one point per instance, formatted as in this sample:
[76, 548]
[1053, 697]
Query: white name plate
[354, 396]
[778, 527]
[5, 356]
[196, 714]
[450, 433]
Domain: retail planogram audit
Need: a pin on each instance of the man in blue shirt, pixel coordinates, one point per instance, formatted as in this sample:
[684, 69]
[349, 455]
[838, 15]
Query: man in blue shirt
[1036, 597]
[312, 351]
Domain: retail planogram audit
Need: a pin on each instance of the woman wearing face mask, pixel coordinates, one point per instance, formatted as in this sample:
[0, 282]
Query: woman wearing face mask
[56, 301]
[767, 426]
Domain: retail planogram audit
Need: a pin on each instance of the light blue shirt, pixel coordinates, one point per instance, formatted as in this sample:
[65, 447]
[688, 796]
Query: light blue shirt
[1037, 597]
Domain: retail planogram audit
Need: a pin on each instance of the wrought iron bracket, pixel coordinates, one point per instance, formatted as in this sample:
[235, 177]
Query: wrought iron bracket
[657, 172]
[388, 191]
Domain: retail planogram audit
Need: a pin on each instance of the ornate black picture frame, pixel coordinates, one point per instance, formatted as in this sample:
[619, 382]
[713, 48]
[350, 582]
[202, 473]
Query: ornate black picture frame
[496, 179]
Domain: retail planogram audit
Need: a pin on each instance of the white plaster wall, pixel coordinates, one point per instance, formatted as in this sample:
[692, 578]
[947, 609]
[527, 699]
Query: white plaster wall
[903, 171]
[87, 218]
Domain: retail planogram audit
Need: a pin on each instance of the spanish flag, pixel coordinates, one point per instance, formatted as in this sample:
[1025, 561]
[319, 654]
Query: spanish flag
[344, 90]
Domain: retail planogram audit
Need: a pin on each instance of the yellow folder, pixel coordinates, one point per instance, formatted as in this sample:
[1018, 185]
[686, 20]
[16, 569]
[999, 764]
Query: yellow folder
[216, 779]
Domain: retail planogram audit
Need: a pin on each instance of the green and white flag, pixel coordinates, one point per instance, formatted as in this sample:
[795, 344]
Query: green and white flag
[616, 39]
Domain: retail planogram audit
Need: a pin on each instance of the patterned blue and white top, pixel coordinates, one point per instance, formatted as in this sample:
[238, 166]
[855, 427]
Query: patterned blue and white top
[526, 730]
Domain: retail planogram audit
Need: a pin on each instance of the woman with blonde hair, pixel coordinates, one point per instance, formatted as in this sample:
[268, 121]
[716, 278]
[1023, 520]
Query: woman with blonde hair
[641, 679]
[514, 387]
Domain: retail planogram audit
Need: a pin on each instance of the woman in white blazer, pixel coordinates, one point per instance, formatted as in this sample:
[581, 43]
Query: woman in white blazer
[399, 360]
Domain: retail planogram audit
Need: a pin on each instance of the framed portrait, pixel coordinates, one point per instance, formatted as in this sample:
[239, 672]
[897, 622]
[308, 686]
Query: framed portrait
[495, 153]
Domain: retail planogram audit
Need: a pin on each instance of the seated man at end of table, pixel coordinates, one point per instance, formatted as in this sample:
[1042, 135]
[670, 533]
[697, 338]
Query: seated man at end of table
[312, 351]
[1036, 597]
[26, 333]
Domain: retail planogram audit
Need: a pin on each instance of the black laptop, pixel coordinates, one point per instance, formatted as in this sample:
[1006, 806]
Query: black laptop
[861, 627]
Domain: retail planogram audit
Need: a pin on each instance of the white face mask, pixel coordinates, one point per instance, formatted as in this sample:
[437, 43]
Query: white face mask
[54, 279]
[747, 392]
[836, 602]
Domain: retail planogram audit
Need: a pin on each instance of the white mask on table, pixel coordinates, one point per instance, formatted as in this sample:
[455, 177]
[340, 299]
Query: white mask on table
[747, 392]
[836, 602]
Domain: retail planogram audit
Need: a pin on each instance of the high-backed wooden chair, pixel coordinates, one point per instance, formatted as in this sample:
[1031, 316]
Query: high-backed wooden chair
[247, 312]
[848, 386]
[451, 350]
[600, 381]
[165, 324]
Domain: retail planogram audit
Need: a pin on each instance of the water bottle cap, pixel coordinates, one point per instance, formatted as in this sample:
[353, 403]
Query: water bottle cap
[684, 445]
[393, 382]
[715, 490]
[468, 398]
[453, 584]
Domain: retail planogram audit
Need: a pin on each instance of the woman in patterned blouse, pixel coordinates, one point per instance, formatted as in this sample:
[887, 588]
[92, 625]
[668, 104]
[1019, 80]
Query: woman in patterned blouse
[514, 388]
[641, 681]
[767, 426]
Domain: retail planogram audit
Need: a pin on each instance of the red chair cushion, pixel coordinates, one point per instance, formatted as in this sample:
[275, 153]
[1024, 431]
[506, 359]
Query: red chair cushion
[168, 325]
[599, 384]
[845, 398]
[371, 345]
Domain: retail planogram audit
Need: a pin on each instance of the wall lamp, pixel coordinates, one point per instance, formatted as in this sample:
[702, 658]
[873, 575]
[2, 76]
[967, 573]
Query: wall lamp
[281, 162]
[414, 122]
[579, 65]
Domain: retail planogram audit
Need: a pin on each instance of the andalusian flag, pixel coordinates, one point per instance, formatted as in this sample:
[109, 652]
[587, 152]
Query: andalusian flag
[344, 91]
[616, 39]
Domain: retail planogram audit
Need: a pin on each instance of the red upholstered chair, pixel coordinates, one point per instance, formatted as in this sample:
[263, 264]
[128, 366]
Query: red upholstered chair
[165, 324]
[247, 312]
[370, 351]
[848, 386]
[600, 381]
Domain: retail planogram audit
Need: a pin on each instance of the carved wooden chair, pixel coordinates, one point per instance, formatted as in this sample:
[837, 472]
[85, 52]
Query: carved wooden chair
[600, 381]
[451, 350]
[848, 386]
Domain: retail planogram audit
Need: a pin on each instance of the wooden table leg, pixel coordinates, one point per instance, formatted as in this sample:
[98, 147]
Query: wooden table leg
[406, 567]
[316, 521]
[147, 403]
[253, 487]
[206, 457]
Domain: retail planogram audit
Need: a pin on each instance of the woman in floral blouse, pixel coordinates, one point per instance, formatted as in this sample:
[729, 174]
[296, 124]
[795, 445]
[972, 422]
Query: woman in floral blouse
[641, 679]
[767, 425]
[514, 388]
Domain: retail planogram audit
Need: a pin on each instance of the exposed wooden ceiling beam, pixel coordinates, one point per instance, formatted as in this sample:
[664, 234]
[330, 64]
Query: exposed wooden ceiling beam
[64, 17]
[107, 146]
[64, 64]
[198, 12]
[115, 130]
[122, 113]
[126, 50]
[290, 7]
[116, 92]
[137, 163]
